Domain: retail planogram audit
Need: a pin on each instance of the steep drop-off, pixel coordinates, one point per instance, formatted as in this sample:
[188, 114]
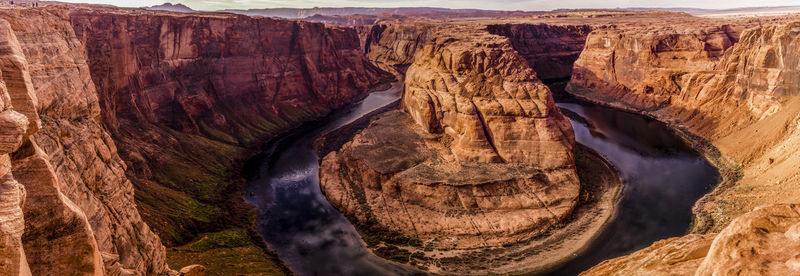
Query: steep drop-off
[735, 87]
[479, 165]
[726, 93]
[550, 50]
[184, 97]
[79, 211]
[764, 241]
[395, 44]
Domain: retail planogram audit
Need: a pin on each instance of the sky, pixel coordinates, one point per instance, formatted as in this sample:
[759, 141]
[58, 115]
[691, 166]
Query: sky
[527, 5]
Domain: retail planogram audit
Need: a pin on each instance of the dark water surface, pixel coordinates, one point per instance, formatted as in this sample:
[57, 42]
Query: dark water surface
[662, 179]
[295, 218]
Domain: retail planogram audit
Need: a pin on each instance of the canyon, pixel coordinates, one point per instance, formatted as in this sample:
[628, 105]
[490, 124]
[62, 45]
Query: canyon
[91, 87]
[124, 133]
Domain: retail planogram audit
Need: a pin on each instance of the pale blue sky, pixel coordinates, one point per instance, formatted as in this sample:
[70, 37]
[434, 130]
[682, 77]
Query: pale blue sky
[479, 4]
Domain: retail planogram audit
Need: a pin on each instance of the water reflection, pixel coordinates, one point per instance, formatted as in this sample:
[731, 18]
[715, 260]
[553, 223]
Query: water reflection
[295, 218]
[663, 178]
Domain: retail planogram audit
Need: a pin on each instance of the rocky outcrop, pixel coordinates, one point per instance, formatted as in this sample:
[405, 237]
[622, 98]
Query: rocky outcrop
[673, 256]
[764, 241]
[726, 84]
[396, 44]
[551, 50]
[481, 156]
[79, 212]
[14, 128]
[184, 97]
[700, 81]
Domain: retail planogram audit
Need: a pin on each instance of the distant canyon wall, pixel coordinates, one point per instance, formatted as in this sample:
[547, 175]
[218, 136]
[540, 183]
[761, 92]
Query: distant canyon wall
[551, 50]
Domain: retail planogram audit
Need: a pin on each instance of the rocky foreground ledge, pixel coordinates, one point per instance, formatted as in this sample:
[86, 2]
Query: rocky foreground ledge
[765, 241]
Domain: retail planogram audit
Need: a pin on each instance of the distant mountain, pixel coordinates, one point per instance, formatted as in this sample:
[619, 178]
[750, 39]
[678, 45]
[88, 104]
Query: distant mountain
[303, 13]
[751, 11]
[171, 7]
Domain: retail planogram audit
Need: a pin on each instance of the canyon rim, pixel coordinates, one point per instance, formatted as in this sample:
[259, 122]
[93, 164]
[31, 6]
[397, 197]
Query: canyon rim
[164, 140]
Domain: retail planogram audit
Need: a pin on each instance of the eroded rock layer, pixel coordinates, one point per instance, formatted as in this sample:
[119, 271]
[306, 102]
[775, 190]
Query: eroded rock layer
[764, 241]
[700, 81]
[185, 96]
[396, 44]
[550, 50]
[79, 212]
[733, 83]
[480, 157]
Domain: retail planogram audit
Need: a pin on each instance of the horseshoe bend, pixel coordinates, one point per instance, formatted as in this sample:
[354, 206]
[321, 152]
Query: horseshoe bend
[165, 140]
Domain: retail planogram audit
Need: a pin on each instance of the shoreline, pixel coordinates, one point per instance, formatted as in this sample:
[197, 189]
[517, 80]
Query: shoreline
[729, 172]
[246, 213]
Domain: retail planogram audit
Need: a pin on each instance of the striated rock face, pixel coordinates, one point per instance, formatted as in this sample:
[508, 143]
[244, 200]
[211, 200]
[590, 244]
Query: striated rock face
[551, 50]
[79, 211]
[184, 97]
[483, 95]
[647, 68]
[480, 157]
[396, 44]
[727, 93]
[764, 241]
[674, 256]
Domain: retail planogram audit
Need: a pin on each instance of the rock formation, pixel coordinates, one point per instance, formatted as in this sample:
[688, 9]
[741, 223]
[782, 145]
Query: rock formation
[182, 95]
[79, 211]
[550, 50]
[185, 96]
[764, 241]
[396, 44]
[725, 82]
[722, 83]
[480, 157]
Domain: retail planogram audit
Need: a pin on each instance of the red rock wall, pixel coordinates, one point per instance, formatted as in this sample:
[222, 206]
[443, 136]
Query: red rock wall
[722, 83]
[79, 211]
[550, 50]
[396, 44]
[185, 96]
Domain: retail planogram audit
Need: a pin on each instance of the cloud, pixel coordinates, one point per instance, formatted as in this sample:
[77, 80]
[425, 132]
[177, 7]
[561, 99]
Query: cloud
[479, 4]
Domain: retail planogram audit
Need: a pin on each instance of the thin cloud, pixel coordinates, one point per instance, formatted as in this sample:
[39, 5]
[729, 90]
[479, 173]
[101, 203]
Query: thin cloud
[478, 4]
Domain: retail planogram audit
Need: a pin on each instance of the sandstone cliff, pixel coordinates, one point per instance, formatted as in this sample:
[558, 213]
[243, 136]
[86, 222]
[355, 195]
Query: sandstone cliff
[722, 83]
[764, 241]
[481, 157]
[396, 44]
[79, 211]
[550, 50]
[184, 97]
[734, 84]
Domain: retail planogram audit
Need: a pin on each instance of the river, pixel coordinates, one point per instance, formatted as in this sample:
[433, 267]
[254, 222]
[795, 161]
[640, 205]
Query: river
[662, 179]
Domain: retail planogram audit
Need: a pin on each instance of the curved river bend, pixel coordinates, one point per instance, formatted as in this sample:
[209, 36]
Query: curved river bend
[662, 180]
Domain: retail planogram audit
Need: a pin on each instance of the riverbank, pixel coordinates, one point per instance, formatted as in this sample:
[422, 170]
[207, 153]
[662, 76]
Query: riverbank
[235, 246]
[729, 171]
